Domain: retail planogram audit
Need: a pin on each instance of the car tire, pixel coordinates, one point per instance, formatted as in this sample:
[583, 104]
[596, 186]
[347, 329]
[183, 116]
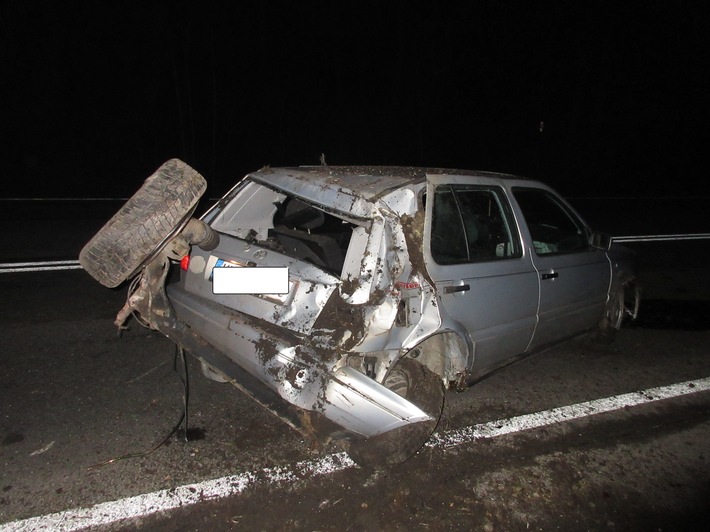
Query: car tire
[142, 227]
[421, 386]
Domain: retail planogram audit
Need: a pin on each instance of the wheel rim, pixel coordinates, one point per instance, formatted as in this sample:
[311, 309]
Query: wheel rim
[617, 311]
[398, 381]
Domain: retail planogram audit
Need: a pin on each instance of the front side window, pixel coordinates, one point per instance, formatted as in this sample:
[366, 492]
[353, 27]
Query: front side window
[553, 227]
[472, 224]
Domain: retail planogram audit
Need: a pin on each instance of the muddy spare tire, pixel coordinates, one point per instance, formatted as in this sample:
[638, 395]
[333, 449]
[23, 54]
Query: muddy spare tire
[148, 220]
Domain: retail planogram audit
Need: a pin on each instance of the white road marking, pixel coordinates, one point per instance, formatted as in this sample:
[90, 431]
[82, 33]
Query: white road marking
[39, 266]
[536, 420]
[164, 500]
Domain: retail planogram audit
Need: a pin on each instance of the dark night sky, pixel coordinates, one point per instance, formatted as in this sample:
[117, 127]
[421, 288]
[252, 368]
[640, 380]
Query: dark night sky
[95, 95]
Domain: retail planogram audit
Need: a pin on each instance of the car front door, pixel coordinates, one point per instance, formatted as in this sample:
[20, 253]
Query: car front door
[574, 277]
[485, 279]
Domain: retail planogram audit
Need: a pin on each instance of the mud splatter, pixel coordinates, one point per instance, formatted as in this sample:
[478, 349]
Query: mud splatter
[413, 229]
[341, 318]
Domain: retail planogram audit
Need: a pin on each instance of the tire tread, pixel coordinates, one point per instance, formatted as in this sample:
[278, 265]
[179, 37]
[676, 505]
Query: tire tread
[137, 230]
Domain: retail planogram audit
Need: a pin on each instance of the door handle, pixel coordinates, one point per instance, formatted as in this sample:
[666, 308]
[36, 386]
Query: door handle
[459, 288]
[551, 275]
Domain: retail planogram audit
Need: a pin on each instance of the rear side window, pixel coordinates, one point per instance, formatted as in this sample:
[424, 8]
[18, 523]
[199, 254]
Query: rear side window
[472, 224]
[553, 227]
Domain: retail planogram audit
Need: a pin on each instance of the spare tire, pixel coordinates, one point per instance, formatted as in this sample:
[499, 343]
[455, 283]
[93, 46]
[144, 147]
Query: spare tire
[142, 227]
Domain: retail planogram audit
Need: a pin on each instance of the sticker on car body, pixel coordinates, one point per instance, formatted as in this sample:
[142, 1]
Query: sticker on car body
[233, 279]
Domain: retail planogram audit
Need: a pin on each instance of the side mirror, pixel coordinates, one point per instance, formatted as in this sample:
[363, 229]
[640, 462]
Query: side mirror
[600, 241]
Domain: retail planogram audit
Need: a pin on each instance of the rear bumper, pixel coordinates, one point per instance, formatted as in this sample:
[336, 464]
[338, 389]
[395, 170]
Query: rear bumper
[289, 367]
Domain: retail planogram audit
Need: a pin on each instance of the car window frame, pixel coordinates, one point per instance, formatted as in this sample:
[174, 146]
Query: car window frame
[565, 208]
[510, 223]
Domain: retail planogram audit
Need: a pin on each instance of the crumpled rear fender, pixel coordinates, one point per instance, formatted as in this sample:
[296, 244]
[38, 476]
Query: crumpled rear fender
[297, 372]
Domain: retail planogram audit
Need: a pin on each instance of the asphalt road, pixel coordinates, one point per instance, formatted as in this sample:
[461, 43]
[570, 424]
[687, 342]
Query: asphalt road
[74, 395]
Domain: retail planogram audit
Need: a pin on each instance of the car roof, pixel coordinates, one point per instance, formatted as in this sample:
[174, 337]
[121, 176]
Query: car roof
[367, 182]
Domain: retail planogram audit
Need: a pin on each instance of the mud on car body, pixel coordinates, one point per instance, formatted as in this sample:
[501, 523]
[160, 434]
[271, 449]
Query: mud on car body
[401, 282]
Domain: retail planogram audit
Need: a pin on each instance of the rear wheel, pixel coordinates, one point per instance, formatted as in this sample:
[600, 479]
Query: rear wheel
[142, 227]
[418, 384]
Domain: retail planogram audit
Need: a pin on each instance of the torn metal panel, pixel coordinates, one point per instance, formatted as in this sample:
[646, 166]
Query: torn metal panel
[320, 188]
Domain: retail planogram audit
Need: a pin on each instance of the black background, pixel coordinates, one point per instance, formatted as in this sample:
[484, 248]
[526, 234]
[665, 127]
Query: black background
[595, 98]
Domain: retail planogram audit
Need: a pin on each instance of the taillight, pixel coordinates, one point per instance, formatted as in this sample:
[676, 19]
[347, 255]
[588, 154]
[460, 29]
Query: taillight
[185, 263]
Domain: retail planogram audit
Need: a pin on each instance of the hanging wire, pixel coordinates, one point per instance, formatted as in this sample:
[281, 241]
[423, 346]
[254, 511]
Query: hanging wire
[179, 350]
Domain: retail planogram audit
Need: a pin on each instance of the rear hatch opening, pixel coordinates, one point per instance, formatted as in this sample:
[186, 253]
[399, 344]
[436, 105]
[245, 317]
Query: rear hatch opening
[309, 234]
[325, 253]
[288, 225]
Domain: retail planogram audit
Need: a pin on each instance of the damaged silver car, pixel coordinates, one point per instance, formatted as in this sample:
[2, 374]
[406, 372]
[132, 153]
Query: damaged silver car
[400, 283]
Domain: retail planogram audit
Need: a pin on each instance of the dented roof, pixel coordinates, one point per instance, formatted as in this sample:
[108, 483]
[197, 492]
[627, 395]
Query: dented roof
[352, 189]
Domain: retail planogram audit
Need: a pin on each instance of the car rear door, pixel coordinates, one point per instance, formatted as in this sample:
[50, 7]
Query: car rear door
[574, 277]
[484, 277]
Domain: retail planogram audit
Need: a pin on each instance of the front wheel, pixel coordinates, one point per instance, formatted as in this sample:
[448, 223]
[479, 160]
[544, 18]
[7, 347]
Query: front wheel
[421, 386]
[623, 303]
